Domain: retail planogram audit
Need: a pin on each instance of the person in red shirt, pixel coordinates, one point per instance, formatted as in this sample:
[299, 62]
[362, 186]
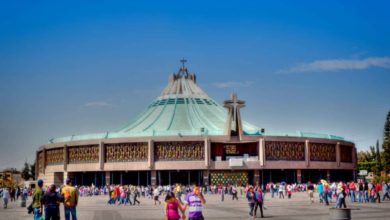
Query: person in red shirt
[352, 190]
[378, 188]
[118, 193]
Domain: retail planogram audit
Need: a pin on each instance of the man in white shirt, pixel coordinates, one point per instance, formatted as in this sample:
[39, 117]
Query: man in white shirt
[6, 197]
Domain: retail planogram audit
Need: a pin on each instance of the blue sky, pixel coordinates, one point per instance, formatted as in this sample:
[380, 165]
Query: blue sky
[73, 68]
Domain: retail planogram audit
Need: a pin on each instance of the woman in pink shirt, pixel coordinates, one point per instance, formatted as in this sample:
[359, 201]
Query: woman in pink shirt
[172, 206]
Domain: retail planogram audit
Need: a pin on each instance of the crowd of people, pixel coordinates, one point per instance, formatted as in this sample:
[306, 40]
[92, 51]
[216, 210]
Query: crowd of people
[13, 194]
[48, 200]
[45, 201]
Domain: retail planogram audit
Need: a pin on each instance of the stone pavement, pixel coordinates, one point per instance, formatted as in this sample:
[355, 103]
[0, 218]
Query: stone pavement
[95, 208]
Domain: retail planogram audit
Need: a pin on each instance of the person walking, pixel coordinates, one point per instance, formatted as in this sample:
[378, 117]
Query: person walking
[51, 201]
[6, 197]
[378, 188]
[156, 194]
[122, 196]
[194, 201]
[326, 193]
[258, 202]
[310, 190]
[360, 189]
[366, 192]
[250, 196]
[12, 194]
[289, 190]
[112, 197]
[136, 194]
[320, 190]
[340, 197]
[273, 190]
[172, 207]
[71, 198]
[222, 193]
[282, 190]
[37, 201]
[385, 191]
[178, 191]
[352, 191]
[234, 193]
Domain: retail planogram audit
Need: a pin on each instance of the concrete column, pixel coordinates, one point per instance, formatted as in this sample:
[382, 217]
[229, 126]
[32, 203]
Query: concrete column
[307, 153]
[169, 177]
[147, 178]
[328, 175]
[44, 160]
[108, 177]
[338, 154]
[262, 152]
[153, 178]
[101, 155]
[188, 177]
[256, 177]
[207, 152]
[151, 154]
[206, 174]
[66, 158]
[36, 165]
[299, 176]
[354, 157]
[65, 177]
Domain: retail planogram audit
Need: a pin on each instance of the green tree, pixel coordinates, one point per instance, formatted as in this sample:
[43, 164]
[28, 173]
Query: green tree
[378, 165]
[26, 171]
[386, 143]
[32, 170]
[369, 155]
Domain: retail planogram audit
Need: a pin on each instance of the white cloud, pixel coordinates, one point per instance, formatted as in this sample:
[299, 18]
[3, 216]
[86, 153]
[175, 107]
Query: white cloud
[339, 64]
[231, 84]
[98, 104]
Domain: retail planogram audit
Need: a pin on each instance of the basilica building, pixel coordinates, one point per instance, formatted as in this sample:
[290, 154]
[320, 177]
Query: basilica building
[184, 136]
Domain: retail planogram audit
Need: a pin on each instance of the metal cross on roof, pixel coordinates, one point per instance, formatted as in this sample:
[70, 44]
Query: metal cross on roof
[234, 104]
[183, 61]
[183, 70]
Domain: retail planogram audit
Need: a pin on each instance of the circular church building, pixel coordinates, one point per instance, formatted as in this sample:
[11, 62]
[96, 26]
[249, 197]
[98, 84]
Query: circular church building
[184, 136]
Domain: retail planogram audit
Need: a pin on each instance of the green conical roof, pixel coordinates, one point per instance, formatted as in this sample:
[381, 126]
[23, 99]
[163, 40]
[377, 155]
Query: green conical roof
[182, 109]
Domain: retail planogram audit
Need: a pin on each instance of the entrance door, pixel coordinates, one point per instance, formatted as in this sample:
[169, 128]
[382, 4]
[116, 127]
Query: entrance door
[58, 178]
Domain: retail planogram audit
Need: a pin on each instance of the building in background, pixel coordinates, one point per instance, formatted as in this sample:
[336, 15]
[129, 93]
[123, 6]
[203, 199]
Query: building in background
[10, 178]
[185, 136]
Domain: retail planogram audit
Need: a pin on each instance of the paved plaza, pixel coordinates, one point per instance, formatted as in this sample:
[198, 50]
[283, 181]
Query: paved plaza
[96, 208]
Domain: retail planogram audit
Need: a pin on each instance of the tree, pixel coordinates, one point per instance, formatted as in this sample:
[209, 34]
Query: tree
[386, 143]
[367, 156]
[378, 165]
[32, 170]
[26, 171]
